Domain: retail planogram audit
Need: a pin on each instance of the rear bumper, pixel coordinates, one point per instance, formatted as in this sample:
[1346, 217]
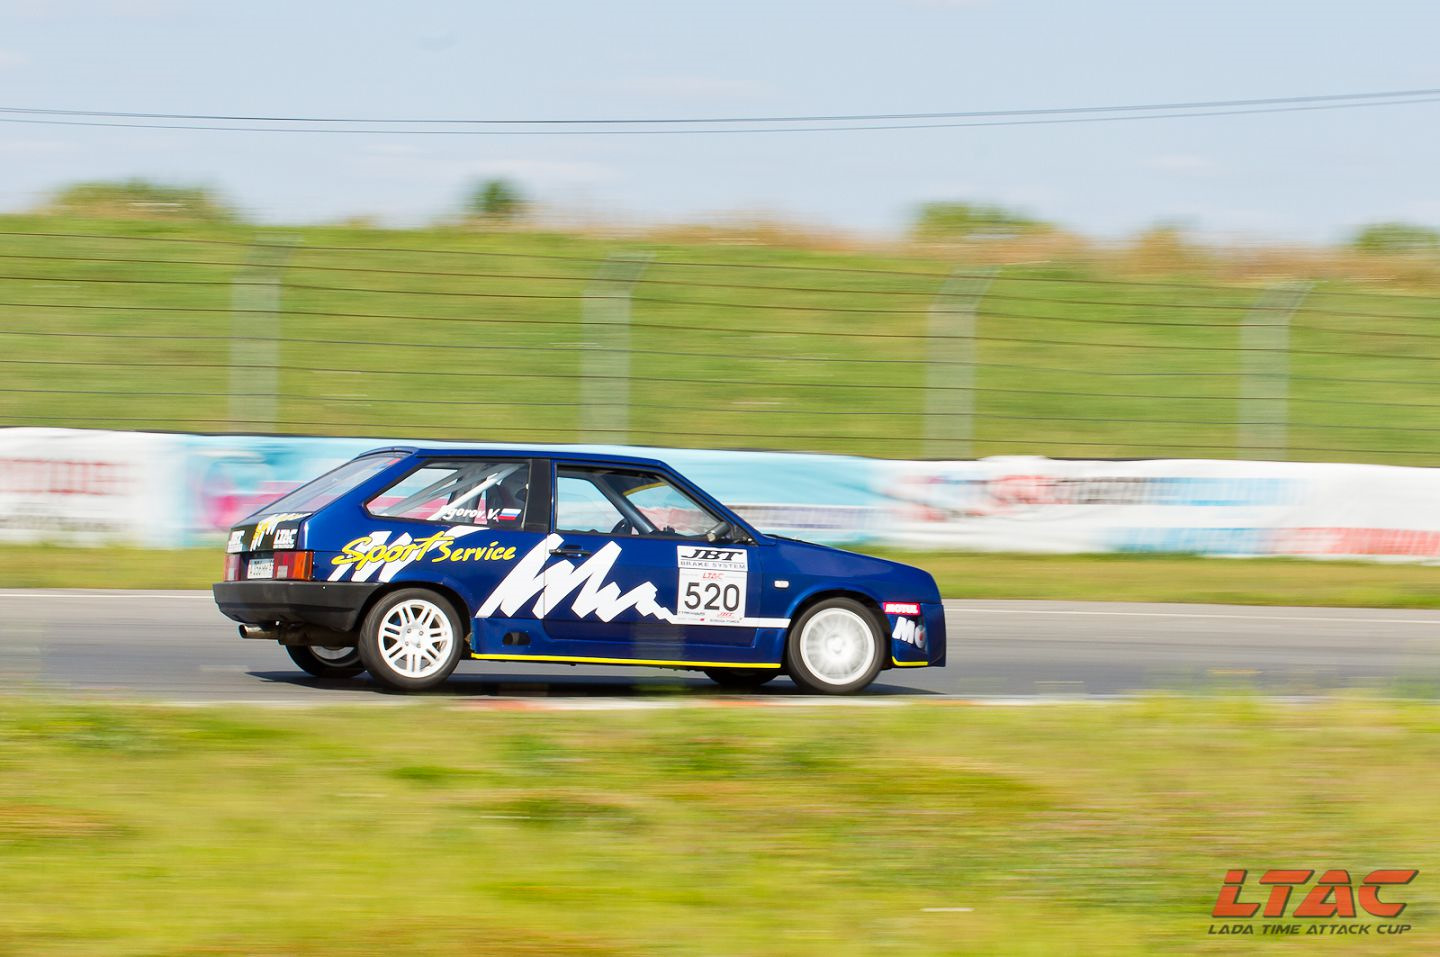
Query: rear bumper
[332, 605]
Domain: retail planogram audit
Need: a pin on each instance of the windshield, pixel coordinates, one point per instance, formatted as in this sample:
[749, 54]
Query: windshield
[330, 486]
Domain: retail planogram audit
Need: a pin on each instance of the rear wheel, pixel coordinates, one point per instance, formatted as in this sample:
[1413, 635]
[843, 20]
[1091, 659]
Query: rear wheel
[835, 647]
[411, 640]
[741, 679]
[325, 662]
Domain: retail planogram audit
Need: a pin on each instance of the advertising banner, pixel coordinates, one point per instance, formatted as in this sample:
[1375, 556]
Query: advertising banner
[1202, 506]
[82, 487]
[161, 490]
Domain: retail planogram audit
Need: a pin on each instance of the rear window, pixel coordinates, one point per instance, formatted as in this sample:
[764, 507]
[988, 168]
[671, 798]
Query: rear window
[316, 494]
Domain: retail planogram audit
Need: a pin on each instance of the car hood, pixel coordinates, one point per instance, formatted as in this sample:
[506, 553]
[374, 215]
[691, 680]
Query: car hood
[889, 580]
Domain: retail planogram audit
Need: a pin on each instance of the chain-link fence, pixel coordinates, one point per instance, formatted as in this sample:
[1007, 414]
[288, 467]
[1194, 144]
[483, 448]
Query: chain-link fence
[529, 337]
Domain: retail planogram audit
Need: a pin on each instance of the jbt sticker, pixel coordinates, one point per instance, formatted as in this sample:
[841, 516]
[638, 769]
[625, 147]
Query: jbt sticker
[712, 584]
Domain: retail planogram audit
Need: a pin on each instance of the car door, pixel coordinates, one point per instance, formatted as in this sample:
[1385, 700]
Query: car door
[633, 574]
[463, 522]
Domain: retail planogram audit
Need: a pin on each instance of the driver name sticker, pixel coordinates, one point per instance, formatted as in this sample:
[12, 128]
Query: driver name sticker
[712, 585]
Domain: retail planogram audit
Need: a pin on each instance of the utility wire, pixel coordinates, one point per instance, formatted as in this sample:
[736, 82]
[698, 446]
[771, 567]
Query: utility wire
[604, 127]
[799, 118]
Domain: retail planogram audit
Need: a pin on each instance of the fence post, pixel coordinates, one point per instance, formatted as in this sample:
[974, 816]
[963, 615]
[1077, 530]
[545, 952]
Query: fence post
[605, 349]
[950, 366]
[1265, 372]
[255, 336]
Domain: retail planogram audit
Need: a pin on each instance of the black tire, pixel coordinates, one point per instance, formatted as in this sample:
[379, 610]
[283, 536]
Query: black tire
[741, 679]
[407, 667]
[327, 662]
[854, 661]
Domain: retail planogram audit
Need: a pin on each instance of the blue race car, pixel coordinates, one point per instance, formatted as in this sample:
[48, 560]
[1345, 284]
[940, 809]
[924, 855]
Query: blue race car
[403, 561]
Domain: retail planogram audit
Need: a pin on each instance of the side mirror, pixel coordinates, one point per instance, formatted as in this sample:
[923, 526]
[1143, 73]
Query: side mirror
[720, 533]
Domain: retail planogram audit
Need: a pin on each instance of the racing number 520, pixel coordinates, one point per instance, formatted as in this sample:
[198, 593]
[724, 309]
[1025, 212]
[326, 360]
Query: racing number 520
[711, 596]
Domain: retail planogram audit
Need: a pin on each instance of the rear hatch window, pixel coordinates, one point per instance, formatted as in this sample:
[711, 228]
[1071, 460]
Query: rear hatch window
[276, 526]
[315, 495]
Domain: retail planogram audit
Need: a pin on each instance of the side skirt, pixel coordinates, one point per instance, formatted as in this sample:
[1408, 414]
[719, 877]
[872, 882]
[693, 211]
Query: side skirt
[653, 662]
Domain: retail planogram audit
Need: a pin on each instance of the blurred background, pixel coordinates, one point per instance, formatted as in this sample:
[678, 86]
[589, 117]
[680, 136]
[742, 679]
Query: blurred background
[988, 334]
[971, 283]
[1188, 234]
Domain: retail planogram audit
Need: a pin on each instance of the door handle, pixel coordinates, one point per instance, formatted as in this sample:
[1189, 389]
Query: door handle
[571, 551]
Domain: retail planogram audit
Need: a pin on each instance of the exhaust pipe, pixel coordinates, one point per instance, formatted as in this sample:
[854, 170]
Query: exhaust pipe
[293, 634]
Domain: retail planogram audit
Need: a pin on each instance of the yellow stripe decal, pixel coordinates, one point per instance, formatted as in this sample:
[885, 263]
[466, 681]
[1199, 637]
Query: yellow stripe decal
[624, 661]
[908, 664]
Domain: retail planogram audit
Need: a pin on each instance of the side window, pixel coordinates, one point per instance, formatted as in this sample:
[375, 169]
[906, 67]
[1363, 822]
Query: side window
[627, 503]
[459, 492]
[580, 506]
[670, 510]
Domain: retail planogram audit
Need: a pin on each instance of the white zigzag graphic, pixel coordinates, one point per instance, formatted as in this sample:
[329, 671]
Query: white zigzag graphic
[553, 585]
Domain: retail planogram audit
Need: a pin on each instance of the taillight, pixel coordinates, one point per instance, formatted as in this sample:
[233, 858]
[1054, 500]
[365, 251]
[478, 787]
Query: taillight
[295, 566]
[232, 568]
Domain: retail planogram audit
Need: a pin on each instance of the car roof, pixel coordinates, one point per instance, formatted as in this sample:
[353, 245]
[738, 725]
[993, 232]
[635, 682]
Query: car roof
[452, 452]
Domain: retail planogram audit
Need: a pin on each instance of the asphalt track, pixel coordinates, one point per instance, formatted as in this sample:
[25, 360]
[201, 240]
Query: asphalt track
[174, 646]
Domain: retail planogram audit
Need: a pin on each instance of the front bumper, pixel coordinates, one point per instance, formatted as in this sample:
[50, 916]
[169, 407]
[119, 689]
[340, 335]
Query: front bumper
[918, 640]
[332, 605]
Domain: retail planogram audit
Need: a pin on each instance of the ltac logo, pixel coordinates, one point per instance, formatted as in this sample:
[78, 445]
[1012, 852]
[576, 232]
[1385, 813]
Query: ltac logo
[1334, 895]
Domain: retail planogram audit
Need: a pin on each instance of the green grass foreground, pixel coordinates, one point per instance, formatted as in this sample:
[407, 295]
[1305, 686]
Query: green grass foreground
[427, 829]
[1170, 578]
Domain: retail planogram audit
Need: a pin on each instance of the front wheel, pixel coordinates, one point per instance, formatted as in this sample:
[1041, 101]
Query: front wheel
[411, 640]
[741, 679]
[325, 662]
[835, 648]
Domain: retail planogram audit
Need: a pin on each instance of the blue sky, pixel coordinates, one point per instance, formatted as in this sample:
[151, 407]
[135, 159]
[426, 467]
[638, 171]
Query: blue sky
[1307, 177]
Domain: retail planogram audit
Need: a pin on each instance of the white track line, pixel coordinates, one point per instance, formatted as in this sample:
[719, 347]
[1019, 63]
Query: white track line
[546, 704]
[108, 596]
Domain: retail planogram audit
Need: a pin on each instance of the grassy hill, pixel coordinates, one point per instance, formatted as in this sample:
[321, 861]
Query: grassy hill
[465, 334]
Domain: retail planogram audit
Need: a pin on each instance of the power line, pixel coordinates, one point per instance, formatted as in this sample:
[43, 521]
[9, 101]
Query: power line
[798, 118]
[605, 127]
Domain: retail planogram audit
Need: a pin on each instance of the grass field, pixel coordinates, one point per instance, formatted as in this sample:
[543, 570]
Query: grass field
[782, 348]
[1174, 578]
[1100, 829]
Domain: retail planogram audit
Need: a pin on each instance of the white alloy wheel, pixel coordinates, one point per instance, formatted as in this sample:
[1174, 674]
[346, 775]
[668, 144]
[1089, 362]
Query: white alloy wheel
[325, 662]
[412, 640]
[334, 656]
[416, 638]
[837, 646]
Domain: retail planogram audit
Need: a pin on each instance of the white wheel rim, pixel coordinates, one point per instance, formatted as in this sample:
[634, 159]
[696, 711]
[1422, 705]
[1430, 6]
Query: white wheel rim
[416, 639]
[837, 646]
[333, 656]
